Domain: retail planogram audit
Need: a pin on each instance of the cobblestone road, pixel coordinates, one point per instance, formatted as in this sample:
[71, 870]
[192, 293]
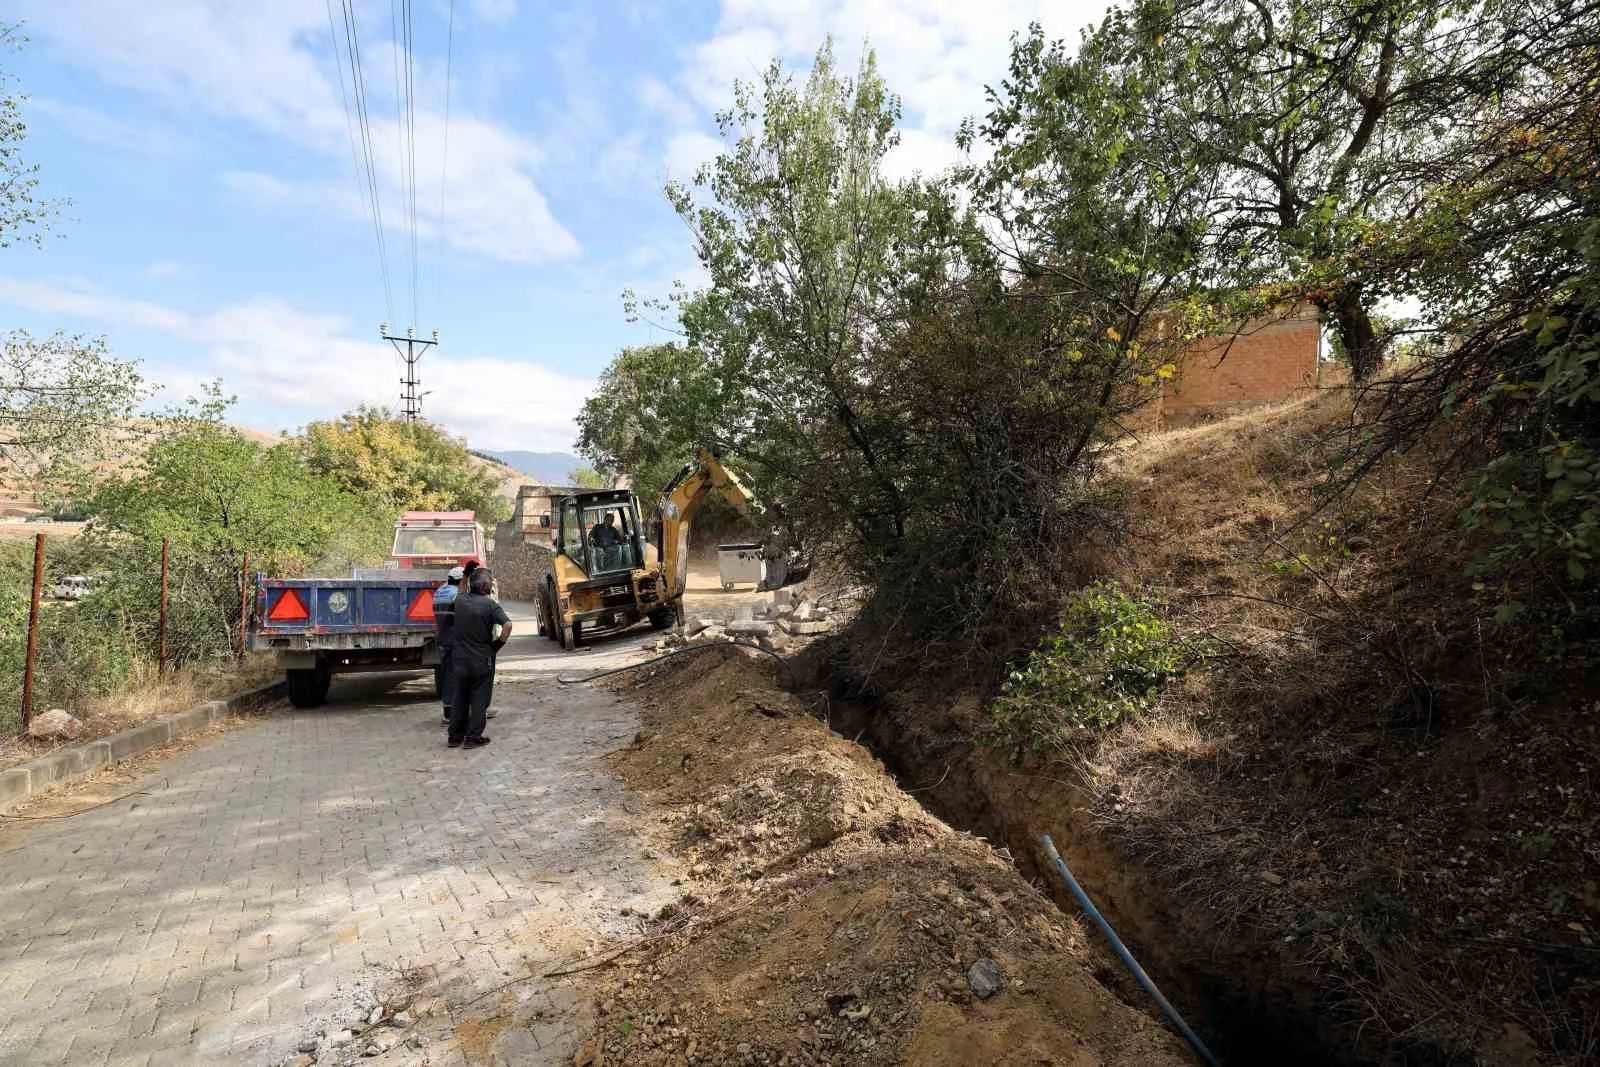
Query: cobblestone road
[274, 881]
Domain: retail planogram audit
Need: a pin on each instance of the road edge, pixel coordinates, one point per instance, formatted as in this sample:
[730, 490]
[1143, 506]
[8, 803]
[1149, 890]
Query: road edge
[24, 780]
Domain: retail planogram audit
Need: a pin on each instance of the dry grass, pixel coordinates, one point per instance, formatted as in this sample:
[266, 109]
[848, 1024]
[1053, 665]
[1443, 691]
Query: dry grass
[25, 531]
[1362, 785]
[148, 696]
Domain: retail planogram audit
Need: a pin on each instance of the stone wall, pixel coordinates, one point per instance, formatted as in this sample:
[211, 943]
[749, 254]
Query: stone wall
[519, 563]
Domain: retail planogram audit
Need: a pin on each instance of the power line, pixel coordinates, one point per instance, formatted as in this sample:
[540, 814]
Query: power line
[411, 137]
[444, 165]
[366, 185]
[405, 128]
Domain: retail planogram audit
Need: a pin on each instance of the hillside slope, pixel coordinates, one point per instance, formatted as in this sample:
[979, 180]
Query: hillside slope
[1362, 827]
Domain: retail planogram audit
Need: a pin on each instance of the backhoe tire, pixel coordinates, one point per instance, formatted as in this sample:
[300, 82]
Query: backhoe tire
[547, 612]
[662, 617]
[308, 687]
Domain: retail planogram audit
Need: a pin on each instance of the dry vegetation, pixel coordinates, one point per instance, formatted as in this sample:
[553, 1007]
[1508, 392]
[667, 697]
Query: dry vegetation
[1362, 828]
[1372, 779]
[147, 696]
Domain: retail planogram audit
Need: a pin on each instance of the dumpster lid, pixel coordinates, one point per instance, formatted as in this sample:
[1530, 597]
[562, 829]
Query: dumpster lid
[738, 547]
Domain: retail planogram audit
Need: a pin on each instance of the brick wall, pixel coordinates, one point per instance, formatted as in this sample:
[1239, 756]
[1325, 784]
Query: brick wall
[1267, 362]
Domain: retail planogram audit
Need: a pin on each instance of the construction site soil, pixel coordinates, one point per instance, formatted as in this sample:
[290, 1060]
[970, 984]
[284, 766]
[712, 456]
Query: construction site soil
[827, 918]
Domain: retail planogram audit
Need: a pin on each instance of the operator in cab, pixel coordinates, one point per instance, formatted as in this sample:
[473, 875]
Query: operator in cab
[606, 538]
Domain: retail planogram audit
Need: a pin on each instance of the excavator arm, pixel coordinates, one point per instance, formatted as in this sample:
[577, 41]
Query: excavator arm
[679, 502]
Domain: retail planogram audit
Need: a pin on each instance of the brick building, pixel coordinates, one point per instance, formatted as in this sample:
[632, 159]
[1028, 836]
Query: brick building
[1269, 361]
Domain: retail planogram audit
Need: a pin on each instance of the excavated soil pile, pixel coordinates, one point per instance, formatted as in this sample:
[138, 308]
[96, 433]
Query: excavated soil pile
[829, 919]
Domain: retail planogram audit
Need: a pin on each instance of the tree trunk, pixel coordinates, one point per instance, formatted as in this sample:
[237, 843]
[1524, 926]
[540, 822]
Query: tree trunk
[1353, 322]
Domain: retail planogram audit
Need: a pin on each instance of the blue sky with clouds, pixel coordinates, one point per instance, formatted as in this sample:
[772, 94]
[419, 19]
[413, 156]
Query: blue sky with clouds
[218, 229]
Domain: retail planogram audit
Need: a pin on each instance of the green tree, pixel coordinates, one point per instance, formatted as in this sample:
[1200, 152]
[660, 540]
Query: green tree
[587, 478]
[62, 399]
[23, 217]
[396, 465]
[1504, 255]
[652, 407]
[1309, 123]
[808, 247]
[893, 388]
[216, 495]
[60, 396]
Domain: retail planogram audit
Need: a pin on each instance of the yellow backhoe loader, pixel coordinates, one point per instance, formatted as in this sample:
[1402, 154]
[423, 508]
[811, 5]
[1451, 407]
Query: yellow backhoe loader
[610, 571]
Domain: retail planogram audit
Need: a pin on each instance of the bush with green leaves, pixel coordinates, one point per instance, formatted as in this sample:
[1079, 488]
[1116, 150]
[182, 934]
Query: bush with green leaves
[1107, 660]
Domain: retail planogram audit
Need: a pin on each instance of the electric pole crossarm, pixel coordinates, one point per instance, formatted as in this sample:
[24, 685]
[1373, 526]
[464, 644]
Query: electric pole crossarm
[410, 399]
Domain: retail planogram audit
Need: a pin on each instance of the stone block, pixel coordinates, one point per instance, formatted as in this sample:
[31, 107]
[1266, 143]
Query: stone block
[59, 766]
[139, 739]
[187, 722]
[808, 628]
[15, 785]
[750, 628]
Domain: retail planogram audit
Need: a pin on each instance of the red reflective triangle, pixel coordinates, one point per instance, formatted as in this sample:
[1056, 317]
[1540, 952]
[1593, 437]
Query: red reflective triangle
[421, 607]
[288, 608]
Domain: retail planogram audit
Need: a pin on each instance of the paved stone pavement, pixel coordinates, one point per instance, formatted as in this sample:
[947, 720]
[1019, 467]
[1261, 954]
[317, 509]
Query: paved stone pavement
[275, 881]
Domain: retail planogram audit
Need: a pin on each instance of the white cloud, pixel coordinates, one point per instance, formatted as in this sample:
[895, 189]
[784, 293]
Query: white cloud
[289, 365]
[623, 163]
[99, 128]
[162, 268]
[657, 99]
[495, 11]
[85, 303]
[937, 57]
[261, 63]
[687, 151]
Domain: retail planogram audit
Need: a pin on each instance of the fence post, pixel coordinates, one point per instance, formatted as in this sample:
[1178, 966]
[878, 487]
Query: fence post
[33, 631]
[161, 656]
[244, 600]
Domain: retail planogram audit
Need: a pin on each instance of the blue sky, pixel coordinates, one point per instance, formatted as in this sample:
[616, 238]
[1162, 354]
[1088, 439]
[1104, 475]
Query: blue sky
[217, 227]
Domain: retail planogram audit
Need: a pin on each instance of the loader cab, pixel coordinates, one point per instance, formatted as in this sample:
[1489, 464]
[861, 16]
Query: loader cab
[600, 532]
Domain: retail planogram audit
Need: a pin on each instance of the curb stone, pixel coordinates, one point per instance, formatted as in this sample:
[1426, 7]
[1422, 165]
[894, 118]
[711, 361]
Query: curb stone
[22, 781]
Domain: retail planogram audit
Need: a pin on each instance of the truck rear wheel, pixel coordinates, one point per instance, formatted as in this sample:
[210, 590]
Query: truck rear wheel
[308, 687]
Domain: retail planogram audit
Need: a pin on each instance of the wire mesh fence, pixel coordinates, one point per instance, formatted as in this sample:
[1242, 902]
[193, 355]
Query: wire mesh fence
[108, 612]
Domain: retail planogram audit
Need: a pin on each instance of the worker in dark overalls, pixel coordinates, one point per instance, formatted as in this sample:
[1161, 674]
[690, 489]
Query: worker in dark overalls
[444, 623]
[481, 630]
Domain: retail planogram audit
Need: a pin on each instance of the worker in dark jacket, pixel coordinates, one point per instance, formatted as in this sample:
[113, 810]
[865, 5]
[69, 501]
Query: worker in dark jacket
[476, 642]
[444, 618]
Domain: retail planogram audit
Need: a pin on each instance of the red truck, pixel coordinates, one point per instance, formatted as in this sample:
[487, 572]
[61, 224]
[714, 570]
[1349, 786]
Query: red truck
[436, 540]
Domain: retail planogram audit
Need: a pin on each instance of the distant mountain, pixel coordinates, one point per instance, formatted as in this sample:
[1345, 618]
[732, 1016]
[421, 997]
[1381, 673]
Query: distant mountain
[546, 468]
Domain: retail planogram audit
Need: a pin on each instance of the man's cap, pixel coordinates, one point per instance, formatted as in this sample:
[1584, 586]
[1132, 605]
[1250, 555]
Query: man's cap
[456, 574]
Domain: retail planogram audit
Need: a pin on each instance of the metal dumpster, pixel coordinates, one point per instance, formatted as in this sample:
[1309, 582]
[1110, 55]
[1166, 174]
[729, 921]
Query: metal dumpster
[740, 563]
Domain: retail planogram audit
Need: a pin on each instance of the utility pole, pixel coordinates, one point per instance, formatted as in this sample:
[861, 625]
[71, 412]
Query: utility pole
[410, 399]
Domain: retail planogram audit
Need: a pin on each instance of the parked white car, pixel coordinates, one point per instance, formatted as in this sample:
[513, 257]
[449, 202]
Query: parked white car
[72, 587]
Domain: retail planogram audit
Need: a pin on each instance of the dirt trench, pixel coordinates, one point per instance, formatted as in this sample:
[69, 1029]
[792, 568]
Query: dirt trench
[1247, 1013]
